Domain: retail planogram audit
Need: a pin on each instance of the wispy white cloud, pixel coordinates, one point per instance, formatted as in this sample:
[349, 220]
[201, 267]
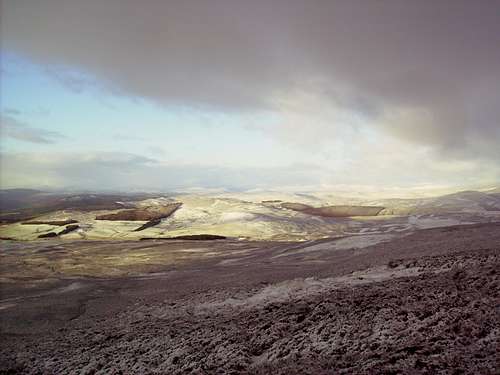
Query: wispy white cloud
[12, 128]
[122, 171]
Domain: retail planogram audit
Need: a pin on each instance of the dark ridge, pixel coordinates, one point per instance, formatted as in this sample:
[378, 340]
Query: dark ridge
[149, 224]
[21, 205]
[54, 222]
[68, 229]
[193, 237]
[272, 201]
[48, 235]
[16, 198]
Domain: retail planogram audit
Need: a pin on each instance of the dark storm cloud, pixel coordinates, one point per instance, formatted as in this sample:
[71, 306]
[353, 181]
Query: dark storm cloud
[12, 128]
[425, 71]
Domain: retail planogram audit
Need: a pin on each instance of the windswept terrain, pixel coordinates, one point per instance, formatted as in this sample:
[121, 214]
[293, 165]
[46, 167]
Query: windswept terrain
[425, 302]
[244, 284]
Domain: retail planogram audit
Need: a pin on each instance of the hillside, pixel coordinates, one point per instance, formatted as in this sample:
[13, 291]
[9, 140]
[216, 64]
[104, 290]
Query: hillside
[282, 217]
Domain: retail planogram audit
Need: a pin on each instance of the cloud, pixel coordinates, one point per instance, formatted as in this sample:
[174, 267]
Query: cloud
[12, 128]
[11, 111]
[17, 112]
[124, 171]
[418, 74]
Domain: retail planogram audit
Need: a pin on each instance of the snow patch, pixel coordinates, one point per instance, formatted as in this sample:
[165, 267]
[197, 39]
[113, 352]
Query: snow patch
[228, 217]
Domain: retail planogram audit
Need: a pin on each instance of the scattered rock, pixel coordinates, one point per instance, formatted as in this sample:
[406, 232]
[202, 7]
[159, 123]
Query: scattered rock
[393, 264]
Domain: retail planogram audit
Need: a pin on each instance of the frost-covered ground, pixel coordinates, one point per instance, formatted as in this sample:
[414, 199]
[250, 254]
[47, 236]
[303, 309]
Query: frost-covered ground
[259, 216]
[420, 302]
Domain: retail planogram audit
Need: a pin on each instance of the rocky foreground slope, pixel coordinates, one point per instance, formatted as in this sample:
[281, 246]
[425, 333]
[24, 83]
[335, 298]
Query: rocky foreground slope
[425, 303]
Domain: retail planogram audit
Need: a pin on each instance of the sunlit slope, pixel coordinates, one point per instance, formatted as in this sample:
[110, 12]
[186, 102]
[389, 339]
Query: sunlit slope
[260, 216]
[197, 215]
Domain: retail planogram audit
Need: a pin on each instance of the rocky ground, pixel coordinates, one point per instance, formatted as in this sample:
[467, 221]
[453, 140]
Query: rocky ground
[425, 303]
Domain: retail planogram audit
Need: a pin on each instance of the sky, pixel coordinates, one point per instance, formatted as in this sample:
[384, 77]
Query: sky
[240, 95]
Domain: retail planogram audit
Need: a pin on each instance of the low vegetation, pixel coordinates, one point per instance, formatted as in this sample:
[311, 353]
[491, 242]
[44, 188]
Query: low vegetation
[142, 214]
[50, 222]
[195, 237]
[334, 211]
